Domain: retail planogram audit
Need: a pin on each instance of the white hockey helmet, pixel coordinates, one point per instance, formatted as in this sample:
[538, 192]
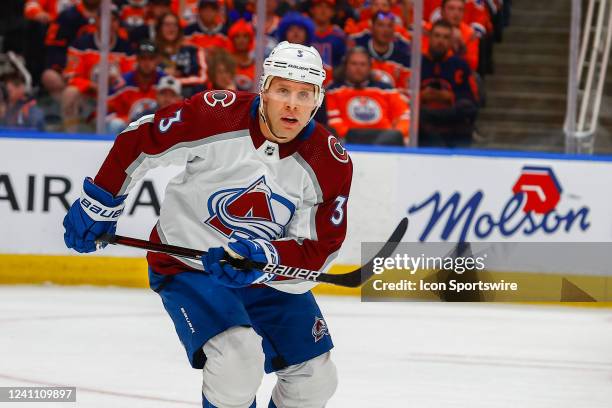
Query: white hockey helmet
[295, 62]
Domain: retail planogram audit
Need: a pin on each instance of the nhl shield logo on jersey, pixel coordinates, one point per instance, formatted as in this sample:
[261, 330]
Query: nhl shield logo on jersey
[251, 212]
[319, 329]
[362, 109]
[222, 97]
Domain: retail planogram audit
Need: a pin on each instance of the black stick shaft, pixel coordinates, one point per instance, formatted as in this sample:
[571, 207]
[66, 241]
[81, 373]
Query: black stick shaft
[352, 279]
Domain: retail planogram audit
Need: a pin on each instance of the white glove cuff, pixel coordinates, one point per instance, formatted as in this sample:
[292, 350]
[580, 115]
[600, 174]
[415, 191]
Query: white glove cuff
[269, 250]
[98, 211]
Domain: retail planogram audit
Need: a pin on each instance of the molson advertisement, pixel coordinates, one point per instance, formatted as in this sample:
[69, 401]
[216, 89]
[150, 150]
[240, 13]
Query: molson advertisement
[507, 199]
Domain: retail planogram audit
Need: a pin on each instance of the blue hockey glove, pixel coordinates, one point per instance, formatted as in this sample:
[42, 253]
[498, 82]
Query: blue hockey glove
[94, 214]
[258, 250]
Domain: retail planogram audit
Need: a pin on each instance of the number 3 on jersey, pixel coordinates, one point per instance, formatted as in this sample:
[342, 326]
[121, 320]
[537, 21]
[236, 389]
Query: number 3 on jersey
[164, 124]
[338, 215]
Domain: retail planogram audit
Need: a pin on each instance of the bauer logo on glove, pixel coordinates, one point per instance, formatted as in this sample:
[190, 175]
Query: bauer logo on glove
[94, 214]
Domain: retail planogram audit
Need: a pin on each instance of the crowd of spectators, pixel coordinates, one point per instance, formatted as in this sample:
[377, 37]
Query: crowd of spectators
[164, 50]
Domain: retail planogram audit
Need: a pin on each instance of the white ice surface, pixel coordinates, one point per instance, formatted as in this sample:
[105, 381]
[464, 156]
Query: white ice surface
[119, 348]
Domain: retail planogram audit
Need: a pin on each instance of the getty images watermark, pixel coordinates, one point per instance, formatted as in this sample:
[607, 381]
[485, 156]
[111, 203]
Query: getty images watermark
[490, 272]
[412, 264]
[433, 271]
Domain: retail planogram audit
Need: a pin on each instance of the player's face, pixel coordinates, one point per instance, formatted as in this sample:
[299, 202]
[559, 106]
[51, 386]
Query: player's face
[382, 30]
[357, 68]
[288, 106]
[440, 41]
[296, 34]
[453, 12]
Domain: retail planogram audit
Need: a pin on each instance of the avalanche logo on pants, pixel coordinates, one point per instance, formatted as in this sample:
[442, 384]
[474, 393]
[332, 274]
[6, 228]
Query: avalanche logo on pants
[319, 329]
[250, 212]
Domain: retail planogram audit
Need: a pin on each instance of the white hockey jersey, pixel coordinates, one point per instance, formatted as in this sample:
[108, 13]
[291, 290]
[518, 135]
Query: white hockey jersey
[236, 183]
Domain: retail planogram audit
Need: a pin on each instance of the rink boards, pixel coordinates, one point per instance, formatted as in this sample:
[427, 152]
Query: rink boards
[448, 196]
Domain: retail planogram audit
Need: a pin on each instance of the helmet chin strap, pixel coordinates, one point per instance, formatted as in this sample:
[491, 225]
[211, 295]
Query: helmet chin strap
[262, 115]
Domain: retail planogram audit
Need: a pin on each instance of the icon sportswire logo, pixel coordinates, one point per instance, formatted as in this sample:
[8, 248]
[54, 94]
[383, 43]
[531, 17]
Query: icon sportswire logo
[532, 208]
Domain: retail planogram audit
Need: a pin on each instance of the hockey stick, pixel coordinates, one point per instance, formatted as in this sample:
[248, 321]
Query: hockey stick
[352, 279]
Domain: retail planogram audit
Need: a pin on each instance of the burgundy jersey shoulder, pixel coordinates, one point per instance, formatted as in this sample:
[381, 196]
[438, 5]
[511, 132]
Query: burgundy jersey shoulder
[208, 113]
[329, 161]
[185, 124]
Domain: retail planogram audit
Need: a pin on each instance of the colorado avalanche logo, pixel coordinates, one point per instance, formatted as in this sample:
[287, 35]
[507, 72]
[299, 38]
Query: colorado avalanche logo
[541, 188]
[223, 98]
[251, 212]
[319, 329]
[362, 109]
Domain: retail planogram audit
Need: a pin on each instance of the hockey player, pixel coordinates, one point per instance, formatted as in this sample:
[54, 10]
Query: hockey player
[262, 180]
